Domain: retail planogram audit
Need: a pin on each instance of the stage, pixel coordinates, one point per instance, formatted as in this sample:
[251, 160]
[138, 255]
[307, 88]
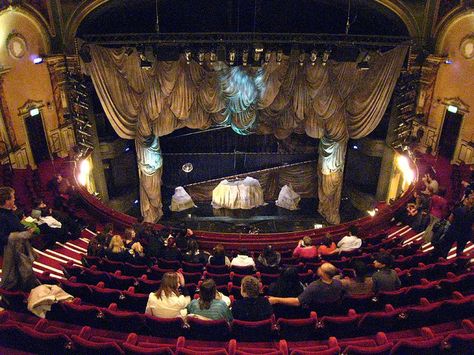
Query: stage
[265, 219]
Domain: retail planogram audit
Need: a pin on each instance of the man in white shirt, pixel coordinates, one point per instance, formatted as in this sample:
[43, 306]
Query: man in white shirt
[242, 259]
[351, 241]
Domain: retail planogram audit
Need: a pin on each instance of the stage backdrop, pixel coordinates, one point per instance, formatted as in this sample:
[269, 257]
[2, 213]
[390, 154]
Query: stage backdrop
[332, 102]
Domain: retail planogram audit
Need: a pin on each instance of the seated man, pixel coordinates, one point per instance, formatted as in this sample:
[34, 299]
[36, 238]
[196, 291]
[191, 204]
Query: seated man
[350, 242]
[325, 290]
[384, 279]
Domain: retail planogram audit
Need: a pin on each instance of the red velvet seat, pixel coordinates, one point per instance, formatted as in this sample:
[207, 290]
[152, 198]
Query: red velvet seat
[252, 331]
[70, 269]
[131, 349]
[169, 264]
[104, 296]
[147, 286]
[83, 346]
[192, 277]
[121, 282]
[110, 266]
[339, 326]
[219, 279]
[134, 270]
[242, 270]
[164, 327]
[418, 347]
[459, 344]
[217, 269]
[124, 321]
[316, 350]
[14, 300]
[77, 289]
[215, 330]
[132, 301]
[93, 277]
[77, 314]
[156, 272]
[192, 267]
[297, 329]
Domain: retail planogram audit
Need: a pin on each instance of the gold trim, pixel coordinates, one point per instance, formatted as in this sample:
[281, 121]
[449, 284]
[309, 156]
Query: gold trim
[445, 26]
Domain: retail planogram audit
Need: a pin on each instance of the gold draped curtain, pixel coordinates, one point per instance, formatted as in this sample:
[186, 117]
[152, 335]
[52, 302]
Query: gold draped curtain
[332, 102]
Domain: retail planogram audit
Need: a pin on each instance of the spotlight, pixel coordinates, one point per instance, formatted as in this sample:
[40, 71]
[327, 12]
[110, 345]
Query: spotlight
[279, 56]
[232, 56]
[38, 60]
[245, 57]
[258, 54]
[267, 57]
[363, 61]
[313, 56]
[80, 131]
[201, 56]
[188, 55]
[301, 58]
[326, 55]
[213, 56]
[144, 63]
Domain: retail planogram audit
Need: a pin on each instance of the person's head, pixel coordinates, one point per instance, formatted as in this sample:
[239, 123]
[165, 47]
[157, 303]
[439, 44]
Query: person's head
[207, 292]
[383, 260]
[137, 248]
[268, 252]
[218, 250]
[193, 247]
[7, 197]
[59, 178]
[243, 251]
[129, 234]
[250, 287]
[360, 269]
[108, 228]
[307, 241]
[39, 204]
[189, 232]
[116, 244]
[327, 271]
[169, 285]
[353, 230]
[441, 191]
[170, 242]
[327, 241]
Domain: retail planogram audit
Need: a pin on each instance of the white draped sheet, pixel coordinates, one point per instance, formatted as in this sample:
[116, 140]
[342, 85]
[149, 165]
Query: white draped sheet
[334, 102]
[239, 194]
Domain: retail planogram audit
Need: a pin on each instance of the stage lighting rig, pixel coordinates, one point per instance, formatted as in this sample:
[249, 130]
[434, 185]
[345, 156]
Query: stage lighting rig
[267, 57]
[279, 56]
[232, 57]
[201, 57]
[301, 58]
[363, 61]
[245, 57]
[313, 56]
[188, 56]
[326, 56]
[257, 55]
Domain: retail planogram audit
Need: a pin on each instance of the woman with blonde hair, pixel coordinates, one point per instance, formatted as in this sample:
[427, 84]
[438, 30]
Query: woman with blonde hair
[171, 299]
[116, 250]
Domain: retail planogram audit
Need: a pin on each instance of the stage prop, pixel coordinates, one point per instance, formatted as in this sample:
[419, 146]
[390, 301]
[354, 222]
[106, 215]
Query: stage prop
[239, 194]
[181, 200]
[331, 101]
[288, 198]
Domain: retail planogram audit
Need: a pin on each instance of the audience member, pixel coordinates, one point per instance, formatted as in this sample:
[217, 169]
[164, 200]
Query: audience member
[326, 290]
[183, 238]
[107, 233]
[327, 247]
[194, 254]
[287, 285]
[116, 250]
[253, 307]
[305, 249]
[137, 255]
[207, 306]
[129, 237]
[350, 242]
[171, 299]
[361, 284]
[170, 252]
[385, 278]
[97, 246]
[18, 256]
[242, 259]
[430, 183]
[461, 229]
[218, 256]
[269, 258]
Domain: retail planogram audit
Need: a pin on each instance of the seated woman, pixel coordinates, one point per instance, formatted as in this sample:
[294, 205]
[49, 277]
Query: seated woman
[328, 246]
[194, 255]
[288, 285]
[137, 255]
[305, 249]
[361, 284]
[207, 306]
[116, 250]
[129, 237]
[269, 258]
[252, 307]
[171, 299]
[218, 256]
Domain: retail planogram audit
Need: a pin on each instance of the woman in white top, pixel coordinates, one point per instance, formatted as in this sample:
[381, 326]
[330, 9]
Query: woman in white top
[168, 302]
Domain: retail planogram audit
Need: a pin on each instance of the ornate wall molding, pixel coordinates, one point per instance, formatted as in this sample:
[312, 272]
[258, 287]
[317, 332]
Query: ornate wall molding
[456, 101]
[445, 26]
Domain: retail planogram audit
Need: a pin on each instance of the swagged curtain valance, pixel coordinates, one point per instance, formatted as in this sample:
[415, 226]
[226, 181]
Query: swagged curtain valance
[332, 102]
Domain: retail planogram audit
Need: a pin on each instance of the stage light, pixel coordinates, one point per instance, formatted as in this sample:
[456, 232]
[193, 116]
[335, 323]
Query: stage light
[127, 149]
[38, 60]
[84, 170]
[355, 147]
[144, 63]
[213, 56]
[301, 58]
[201, 56]
[372, 213]
[326, 55]
[188, 55]
[452, 109]
[313, 57]
[403, 163]
[135, 202]
[84, 133]
[363, 61]
[258, 54]
[279, 56]
[232, 56]
[448, 61]
[267, 57]
[187, 168]
[34, 112]
[86, 145]
[245, 57]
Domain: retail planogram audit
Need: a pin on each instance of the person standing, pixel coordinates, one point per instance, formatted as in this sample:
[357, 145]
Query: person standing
[18, 256]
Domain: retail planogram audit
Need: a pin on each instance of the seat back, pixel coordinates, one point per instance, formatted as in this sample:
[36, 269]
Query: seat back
[164, 327]
[252, 331]
[297, 329]
[418, 347]
[214, 330]
[83, 346]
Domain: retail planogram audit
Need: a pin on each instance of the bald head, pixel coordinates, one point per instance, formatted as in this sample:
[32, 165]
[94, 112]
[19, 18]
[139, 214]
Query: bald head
[329, 270]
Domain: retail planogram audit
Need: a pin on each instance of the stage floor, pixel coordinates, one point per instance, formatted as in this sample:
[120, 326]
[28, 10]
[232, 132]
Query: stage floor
[265, 219]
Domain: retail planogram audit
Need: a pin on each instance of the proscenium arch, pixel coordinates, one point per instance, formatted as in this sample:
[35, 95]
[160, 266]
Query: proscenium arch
[35, 20]
[83, 10]
[445, 28]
